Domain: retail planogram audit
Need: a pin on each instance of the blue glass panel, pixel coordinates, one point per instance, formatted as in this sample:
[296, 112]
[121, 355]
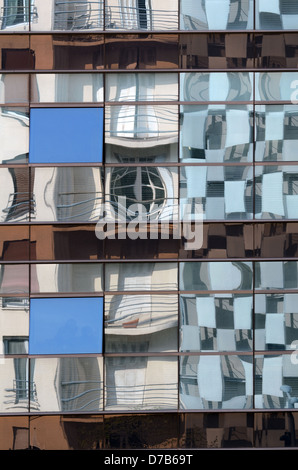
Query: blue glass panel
[66, 135]
[66, 326]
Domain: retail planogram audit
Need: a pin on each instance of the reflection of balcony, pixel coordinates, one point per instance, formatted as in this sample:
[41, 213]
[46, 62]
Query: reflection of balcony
[21, 392]
[70, 15]
[141, 17]
[14, 15]
[88, 208]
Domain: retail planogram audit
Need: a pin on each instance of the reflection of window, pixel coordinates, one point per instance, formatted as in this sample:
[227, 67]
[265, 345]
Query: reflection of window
[15, 12]
[81, 14]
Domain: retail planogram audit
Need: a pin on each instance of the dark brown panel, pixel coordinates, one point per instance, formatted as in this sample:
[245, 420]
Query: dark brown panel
[16, 53]
[14, 243]
[276, 239]
[276, 50]
[14, 433]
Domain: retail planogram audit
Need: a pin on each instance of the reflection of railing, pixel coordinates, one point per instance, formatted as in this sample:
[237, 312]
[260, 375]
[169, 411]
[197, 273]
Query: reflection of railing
[70, 210]
[22, 390]
[71, 15]
[80, 401]
[13, 15]
[18, 206]
[152, 395]
[141, 18]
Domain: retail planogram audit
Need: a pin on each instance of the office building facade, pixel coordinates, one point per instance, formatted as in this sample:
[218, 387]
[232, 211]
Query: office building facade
[149, 233]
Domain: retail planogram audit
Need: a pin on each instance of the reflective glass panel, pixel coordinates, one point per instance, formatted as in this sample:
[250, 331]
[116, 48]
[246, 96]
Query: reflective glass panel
[68, 194]
[216, 275]
[14, 433]
[216, 322]
[276, 238]
[66, 88]
[223, 192]
[14, 328]
[137, 15]
[68, 384]
[276, 321]
[276, 86]
[141, 323]
[276, 381]
[15, 15]
[276, 133]
[276, 192]
[65, 277]
[141, 87]
[276, 15]
[216, 14]
[141, 276]
[16, 53]
[216, 86]
[67, 15]
[123, 247]
[14, 279]
[135, 193]
[276, 275]
[216, 382]
[141, 52]
[67, 432]
[60, 242]
[141, 383]
[275, 51]
[66, 326]
[17, 386]
[14, 243]
[216, 133]
[14, 88]
[14, 135]
[16, 203]
[66, 135]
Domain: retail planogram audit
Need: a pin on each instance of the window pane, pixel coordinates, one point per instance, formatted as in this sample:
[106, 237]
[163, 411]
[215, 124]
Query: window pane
[216, 14]
[141, 323]
[141, 52]
[216, 322]
[278, 50]
[276, 192]
[14, 279]
[77, 277]
[74, 384]
[276, 275]
[216, 86]
[223, 192]
[16, 203]
[14, 329]
[15, 382]
[276, 378]
[276, 86]
[141, 14]
[216, 382]
[14, 135]
[14, 88]
[67, 88]
[141, 276]
[142, 87]
[68, 15]
[276, 321]
[66, 326]
[67, 194]
[276, 133]
[276, 15]
[66, 135]
[151, 190]
[216, 134]
[130, 386]
[216, 276]
[14, 243]
[14, 433]
[276, 238]
[117, 248]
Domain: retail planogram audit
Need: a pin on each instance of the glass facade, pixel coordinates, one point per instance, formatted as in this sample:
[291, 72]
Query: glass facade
[148, 224]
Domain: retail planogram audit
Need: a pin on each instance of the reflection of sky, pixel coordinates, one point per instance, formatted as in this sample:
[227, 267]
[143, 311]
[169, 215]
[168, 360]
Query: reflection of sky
[65, 326]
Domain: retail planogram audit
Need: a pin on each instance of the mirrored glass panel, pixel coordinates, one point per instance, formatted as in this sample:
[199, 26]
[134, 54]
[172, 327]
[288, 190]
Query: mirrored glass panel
[14, 279]
[17, 385]
[216, 14]
[142, 14]
[66, 88]
[276, 323]
[15, 15]
[276, 50]
[14, 243]
[134, 194]
[14, 328]
[16, 202]
[276, 275]
[67, 194]
[65, 277]
[216, 382]
[68, 384]
[141, 87]
[14, 433]
[141, 134]
[276, 15]
[67, 15]
[216, 133]
[277, 238]
[216, 86]
[141, 323]
[141, 383]
[141, 51]
[222, 192]
[16, 53]
[141, 276]
[276, 86]
[14, 135]
[216, 276]
[216, 322]
[276, 133]
[276, 192]
[276, 381]
[14, 88]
